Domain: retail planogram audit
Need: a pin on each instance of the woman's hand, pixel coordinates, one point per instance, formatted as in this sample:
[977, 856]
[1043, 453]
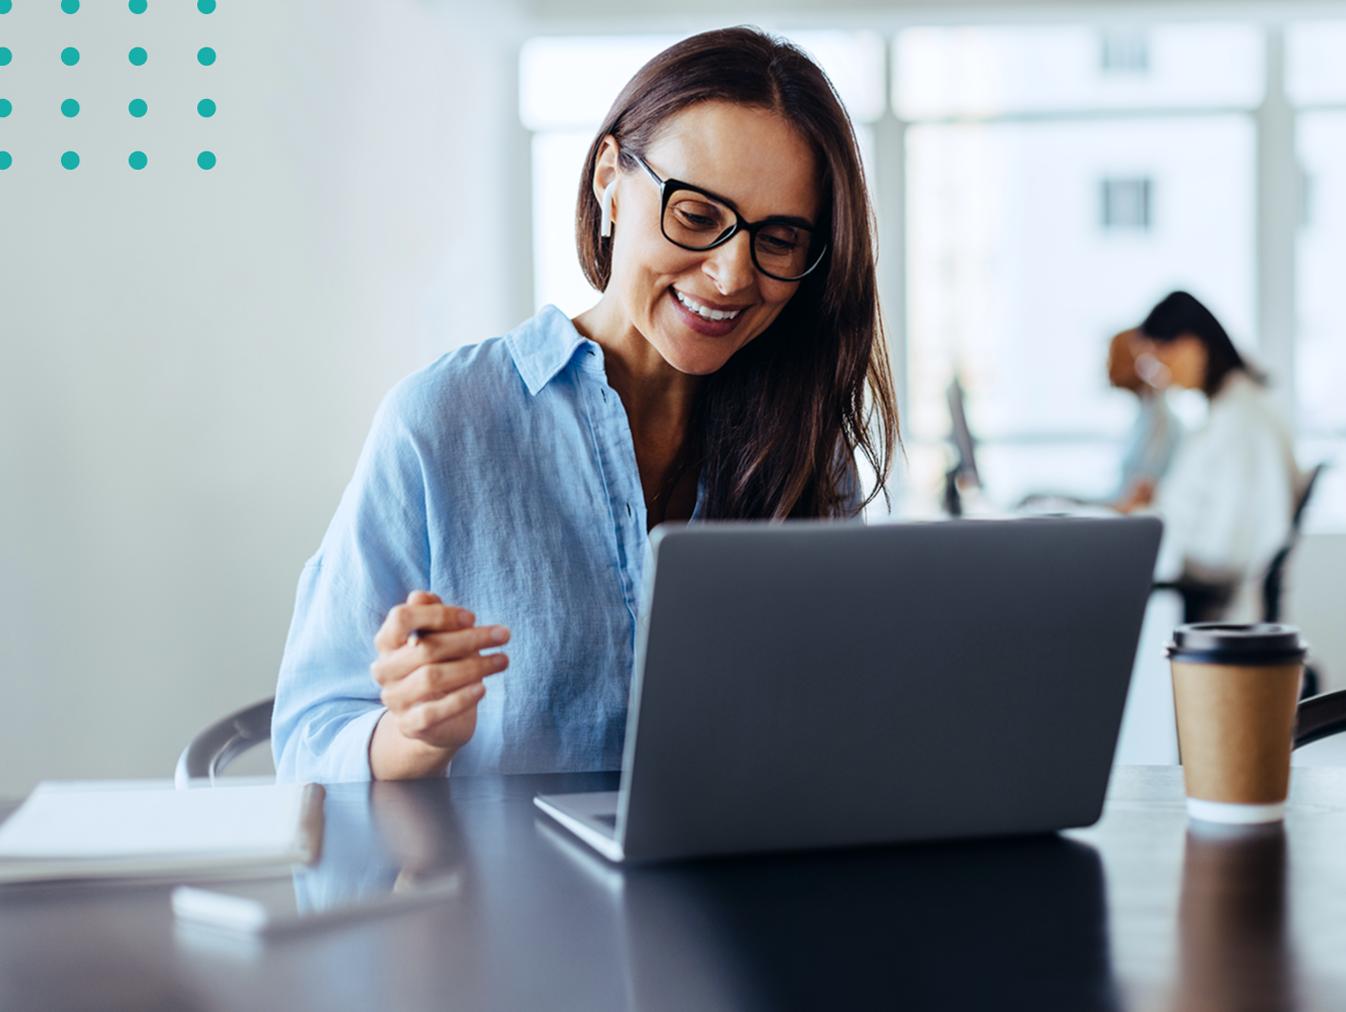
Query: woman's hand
[430, 669]
[1140, 496]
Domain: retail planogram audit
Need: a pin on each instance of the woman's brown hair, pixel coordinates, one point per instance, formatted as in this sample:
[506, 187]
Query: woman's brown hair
[777, 427]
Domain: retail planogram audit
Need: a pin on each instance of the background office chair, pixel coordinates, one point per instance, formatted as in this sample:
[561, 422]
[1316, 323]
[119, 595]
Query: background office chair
[1273, 584]
[218, 745]
[1205, 600]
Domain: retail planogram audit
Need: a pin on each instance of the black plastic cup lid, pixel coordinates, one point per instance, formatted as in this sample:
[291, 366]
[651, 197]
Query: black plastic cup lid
[1237, 643]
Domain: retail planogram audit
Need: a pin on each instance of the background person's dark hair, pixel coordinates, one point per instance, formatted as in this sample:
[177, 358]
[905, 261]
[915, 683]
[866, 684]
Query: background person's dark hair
[777, 427]
[1181, 313]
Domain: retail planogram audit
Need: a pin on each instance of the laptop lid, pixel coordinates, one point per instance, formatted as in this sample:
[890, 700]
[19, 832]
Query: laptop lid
[814, 684]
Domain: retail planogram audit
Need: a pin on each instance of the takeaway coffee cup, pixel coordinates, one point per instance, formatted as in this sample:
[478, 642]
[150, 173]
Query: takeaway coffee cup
[1235, 689]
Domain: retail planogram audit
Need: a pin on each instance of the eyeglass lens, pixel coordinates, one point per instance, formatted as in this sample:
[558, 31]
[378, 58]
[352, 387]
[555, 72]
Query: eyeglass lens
[695, 221]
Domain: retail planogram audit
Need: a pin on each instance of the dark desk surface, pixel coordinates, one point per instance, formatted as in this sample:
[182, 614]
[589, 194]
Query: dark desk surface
[1138, 912]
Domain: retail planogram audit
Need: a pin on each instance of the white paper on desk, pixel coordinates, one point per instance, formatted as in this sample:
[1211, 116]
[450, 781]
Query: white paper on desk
[102, 828]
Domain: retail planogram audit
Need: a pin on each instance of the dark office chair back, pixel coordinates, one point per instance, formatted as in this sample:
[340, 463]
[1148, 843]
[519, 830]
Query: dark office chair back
[1273, 584]
[215, 747]
[1205, 600]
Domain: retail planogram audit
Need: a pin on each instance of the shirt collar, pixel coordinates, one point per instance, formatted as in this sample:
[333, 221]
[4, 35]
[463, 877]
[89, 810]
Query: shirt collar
[545, 345]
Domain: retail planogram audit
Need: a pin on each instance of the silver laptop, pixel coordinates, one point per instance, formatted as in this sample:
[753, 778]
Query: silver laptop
[817, 684]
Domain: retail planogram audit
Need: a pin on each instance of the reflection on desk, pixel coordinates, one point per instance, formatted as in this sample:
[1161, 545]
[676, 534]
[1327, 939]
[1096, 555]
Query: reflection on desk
[858, 929]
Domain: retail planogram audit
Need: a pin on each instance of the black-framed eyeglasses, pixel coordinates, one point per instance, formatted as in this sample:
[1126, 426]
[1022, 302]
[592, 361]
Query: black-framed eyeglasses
[783, 247]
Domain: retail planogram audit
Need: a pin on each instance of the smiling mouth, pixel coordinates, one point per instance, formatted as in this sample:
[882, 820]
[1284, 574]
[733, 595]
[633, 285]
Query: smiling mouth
[704, 311]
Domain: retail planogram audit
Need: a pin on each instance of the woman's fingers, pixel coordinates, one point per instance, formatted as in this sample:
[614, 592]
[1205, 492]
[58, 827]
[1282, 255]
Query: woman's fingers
[434, 649]
[433, 681]
[425, 717]
[404, 619]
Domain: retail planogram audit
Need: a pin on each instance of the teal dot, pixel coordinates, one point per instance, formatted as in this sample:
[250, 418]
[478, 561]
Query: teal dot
[70, 56]
[70, 160]
[206, 6]
[138, 160]
[138, 56]
[69, 108]
[6, 107]
[206, 108]
[70, 6]
[205, 56]
[206, 159]
[137, 108]
[137, 6]
[5, 56]
[6, 6]
[6, 159]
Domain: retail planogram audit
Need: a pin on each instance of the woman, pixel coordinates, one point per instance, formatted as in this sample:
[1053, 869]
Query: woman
[1228, 499]
[722, 374]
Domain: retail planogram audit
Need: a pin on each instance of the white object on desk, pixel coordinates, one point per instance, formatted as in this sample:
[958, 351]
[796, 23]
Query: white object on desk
[101, 829]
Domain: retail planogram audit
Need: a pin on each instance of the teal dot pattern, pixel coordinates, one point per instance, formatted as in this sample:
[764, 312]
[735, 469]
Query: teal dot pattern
[138, 56]
[137, 6]
[206, 6]
[70, 6]
[6, 6]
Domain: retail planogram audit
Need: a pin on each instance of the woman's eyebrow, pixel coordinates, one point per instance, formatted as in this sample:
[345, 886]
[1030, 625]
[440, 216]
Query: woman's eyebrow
[790, 219]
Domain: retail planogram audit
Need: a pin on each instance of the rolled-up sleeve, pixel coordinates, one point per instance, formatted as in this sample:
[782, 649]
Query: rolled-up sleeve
[374, 553]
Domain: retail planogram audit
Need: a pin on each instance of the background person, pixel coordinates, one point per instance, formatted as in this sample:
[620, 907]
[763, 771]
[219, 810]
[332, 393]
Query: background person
[1228, 500]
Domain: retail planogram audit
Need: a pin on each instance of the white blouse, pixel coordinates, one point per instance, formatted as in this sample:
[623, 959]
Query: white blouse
[1228, 500]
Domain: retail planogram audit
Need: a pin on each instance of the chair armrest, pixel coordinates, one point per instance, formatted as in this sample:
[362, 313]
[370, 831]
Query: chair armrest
[209, 752]
[1320, 717]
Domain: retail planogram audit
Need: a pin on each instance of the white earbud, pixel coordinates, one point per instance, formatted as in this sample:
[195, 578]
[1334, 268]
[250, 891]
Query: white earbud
[605, 210]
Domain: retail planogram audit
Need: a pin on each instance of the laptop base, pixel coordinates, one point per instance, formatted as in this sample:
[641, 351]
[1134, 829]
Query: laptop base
[591, 816]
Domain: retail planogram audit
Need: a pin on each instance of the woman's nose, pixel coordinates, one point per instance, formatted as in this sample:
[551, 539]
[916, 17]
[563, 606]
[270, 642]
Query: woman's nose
[730, 266]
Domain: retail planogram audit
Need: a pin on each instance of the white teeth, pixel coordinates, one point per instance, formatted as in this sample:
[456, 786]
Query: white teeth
[703, 311]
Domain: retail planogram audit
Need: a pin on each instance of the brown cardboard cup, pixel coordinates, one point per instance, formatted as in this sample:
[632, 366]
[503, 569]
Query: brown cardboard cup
[1235, 689]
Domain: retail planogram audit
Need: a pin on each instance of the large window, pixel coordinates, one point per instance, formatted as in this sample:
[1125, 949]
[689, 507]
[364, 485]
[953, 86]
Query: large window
[1044, 186]
[1059, 182]
[1316, 81]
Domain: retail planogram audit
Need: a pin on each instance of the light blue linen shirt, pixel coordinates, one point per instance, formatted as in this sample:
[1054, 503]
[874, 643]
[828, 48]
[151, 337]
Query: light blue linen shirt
[503, 478]
[1151, 443]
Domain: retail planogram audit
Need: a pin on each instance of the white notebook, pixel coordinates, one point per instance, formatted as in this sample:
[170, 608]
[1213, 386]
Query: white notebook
[138, 829]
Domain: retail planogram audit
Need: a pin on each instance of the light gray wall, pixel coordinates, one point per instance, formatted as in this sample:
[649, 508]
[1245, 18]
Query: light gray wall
[189, 360]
